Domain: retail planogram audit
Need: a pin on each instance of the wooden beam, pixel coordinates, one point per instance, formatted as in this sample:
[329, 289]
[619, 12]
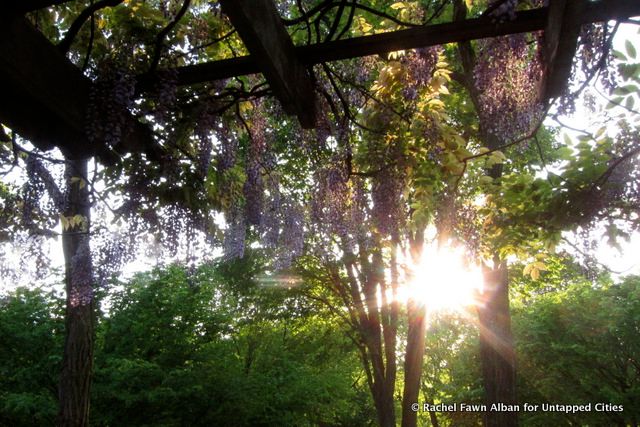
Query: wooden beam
[608, 10]
[432, 35]
[552, 29]
[563, 29]
[363, 46]
[561, 43]
[471, 29]
[266, 38]
[550, 42]
[45, 97]
[49, 108]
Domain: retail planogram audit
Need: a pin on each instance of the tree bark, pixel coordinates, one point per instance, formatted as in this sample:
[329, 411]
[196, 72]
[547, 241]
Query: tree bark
[385, 408]
[77, 363]
[497, 353]
[413, 359]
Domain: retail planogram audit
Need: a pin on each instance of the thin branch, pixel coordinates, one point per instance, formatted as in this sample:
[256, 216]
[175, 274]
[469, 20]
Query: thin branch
[324, 7]
[631, 110]
[345, 105]
[92, 34]
[581, 252]
[305, 20]
[332, 308]
[352, 14]
[367, 94]
[604, 177]
[245, 125]
[544, 163]
[336, 89]
[207, 44]
[306, 15]
[21, 149]
[159, 45]
[492, 7]
[387, 165]
[601, 62]
[436, 12]
[507, 145]
[77, 24]
[336, 20]
[582, 131]
[501, 147]
[383, 15]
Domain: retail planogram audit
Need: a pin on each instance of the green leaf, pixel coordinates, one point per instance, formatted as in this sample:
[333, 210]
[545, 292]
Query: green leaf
[631, 50]
[619, 55]
[564, 153]
[630, 102]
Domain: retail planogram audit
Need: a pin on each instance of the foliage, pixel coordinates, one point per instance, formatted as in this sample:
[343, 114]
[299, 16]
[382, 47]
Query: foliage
[206, 353]
[31, 334]
[581, 345]
[452, 367]
[187, 348]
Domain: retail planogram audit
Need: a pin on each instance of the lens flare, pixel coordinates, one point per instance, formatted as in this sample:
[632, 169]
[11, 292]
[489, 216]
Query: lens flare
[442, 280]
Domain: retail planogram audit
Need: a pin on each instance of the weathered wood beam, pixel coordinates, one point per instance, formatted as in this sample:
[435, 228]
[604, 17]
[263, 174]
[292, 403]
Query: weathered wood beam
[266, 38]
[551, 41]
[45, 97]
[553, 28]
[367, 45]
[432, 35]
[567, 45]
[562, 32]
[532, 20]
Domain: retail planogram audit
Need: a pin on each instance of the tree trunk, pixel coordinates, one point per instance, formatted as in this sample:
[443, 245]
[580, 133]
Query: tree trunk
[385, 408]
[383, 384]
[75, 379]
[497, 352]
[414, 356]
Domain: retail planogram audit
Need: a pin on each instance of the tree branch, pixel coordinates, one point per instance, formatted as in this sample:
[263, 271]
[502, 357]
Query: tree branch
[164, 32]
[77, 24]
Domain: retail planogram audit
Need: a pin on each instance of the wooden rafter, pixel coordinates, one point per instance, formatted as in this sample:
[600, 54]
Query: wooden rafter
[266, 38]
[561, 27]
[561, 42]
[367, 45]
[45, 107]
[49, 108]
[45, 97]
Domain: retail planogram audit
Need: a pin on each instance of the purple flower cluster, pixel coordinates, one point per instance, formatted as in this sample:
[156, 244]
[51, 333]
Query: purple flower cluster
[507, 76]
[110, 99]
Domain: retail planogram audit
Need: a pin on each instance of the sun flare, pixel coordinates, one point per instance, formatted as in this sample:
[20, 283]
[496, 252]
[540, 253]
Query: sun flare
[442, 280]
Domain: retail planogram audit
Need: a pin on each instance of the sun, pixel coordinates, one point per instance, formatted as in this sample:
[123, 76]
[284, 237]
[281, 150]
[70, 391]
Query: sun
[442, 280]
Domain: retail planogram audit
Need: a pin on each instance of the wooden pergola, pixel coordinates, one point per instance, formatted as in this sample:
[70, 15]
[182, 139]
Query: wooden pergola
[45, 96]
